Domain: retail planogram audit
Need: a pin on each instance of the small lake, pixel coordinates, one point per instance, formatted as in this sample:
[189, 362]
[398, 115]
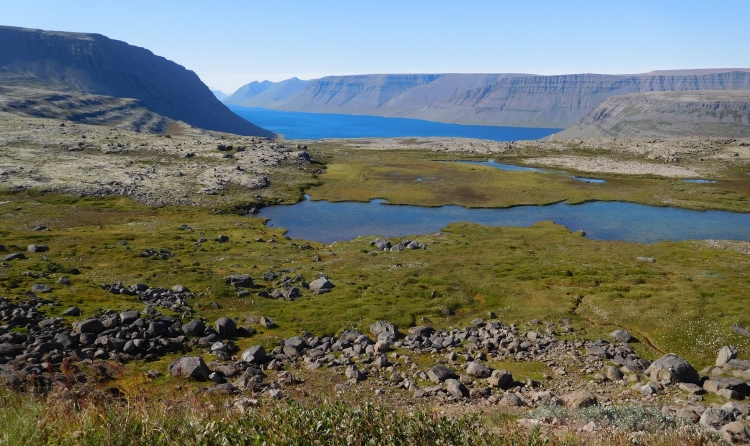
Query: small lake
[511, 167]
[299, 125]
[327, 222]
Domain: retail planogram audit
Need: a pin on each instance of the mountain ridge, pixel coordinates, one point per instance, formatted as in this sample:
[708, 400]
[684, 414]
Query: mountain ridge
[506, 99]
[95, 64]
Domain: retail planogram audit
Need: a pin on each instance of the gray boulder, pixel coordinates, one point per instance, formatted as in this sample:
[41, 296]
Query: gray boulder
[352, 373]
[157, 329]
[14, 256]
[190, 367]
[510, 399]
[321, 285]
[455, 388]
[196, 327]
[225, 327]
[718, 383]
[421, 330]
[502, 379]
[478, 370]
[672, 368]
[381, 244]
[239, 280]
[579, 399]
[440, 373]
[40, 288]
[621, 336]
[37, 248]
[726, 354]
[72, 311]
[254, 355]
[93, 326]
[296, 342]
[268, 322]
[128, 317]
[387, 330]
[736, 432]
[716, 418]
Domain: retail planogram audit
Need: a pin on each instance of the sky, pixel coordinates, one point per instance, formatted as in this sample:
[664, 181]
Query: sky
[230, 43]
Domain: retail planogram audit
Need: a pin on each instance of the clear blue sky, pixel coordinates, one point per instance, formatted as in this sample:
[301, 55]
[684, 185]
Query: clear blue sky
[230, 43]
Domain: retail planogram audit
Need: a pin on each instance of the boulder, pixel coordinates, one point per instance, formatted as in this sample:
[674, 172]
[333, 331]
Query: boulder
[440, 373]
[717, 383]
[421, 330]
[128, 317]
[726, 354]
[321, 284]
[382, 346]
[40, 288]
[478, 370]
[736, 432]
[714, 419]
[196, 327]
[225, 327]
[157, 328]
[352, 373]
[621, 336]
[239, 280]
[456, 389]
[579, 399]
[501, 379]
[268, 322]
[740, 330]
[93, 326]
[296, 342]
[381, 244]
[384, 330]
[254, 355]
[510, 399]
[72, 311]
[37, 249]
[180, 289]
[14, 256]
[190, 367]
[672, 368]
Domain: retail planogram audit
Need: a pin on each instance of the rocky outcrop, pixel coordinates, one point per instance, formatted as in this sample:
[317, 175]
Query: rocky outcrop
[95, 64]
[667, 114]
[487, 99]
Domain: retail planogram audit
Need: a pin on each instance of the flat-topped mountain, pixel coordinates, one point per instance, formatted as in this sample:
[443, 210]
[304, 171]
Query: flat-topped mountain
[524, 100]
[674, 113]
[95, 64]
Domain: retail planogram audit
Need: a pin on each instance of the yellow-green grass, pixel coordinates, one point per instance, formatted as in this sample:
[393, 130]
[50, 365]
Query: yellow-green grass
[686, 302]
[362, 175]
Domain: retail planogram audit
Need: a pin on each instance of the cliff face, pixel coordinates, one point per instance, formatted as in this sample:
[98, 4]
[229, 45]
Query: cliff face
[489, 99]
[95, 64]
[664, 114]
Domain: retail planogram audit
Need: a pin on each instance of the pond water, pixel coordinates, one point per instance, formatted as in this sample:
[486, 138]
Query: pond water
[327, 222]
[299, 125]
[699, 181]
[512, 167]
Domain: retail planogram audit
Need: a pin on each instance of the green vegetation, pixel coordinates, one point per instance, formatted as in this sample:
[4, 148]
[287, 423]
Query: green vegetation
[361, 175]
[95, 419]
[686, 302]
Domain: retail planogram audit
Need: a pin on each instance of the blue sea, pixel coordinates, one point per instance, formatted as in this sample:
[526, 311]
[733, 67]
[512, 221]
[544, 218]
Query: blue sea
[299, 125]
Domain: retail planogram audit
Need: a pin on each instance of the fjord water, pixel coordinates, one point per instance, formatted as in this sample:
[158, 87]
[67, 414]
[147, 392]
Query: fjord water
[299, 125]
[327, 222]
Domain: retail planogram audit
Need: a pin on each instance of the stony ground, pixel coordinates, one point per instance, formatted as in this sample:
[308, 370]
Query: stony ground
[183, 168]
[703, 156]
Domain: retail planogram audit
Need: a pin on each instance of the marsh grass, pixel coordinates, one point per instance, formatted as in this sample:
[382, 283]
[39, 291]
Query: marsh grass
[96, 419]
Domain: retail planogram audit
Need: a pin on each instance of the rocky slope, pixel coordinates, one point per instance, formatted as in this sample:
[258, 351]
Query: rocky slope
[95, 64]
[665, 114]
[489, 99]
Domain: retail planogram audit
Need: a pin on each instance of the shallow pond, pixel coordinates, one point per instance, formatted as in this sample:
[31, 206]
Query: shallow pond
[327, 222]
[512, 167]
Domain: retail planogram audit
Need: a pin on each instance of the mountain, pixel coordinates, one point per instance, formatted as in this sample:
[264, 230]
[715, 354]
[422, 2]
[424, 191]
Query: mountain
[257, 93]
[95, 64]
[525, 100]
[220, 95]
[664, 114]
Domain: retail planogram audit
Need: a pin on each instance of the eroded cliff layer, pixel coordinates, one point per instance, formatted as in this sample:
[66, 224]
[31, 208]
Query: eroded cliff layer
[660, 114]
[489, 99]
[95, 64]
